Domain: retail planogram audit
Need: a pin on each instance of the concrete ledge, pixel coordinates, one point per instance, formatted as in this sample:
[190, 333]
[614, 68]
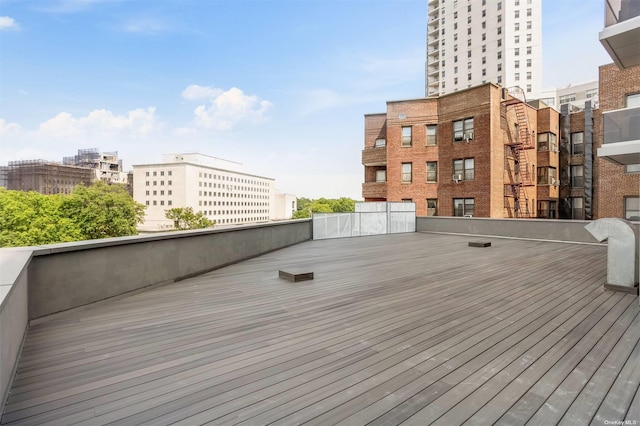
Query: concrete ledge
[536, 229]
[13, 313]
[66, 276]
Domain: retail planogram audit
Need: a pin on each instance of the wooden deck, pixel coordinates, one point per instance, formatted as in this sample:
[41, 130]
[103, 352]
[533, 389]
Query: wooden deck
[409, 328]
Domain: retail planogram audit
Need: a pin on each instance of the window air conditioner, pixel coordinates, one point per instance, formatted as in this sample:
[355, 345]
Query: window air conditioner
[468, 136]
[457, 178]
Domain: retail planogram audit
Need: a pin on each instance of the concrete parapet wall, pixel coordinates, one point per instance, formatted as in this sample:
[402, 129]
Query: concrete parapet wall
[538, 229]
[13, 313]
[66, 276]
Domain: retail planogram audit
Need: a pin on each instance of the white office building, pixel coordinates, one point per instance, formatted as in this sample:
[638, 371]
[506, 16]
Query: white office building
[575, 95]
[471, 42]
[218, 188]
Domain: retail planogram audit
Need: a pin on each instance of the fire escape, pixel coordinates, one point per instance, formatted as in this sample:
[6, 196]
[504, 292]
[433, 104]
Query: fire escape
[519, 172]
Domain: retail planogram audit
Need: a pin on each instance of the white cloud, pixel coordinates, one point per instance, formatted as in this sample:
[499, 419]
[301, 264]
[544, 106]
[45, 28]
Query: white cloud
[136, 123]
[7, 23]
[8, 130]
[147, 26]
[226, 109]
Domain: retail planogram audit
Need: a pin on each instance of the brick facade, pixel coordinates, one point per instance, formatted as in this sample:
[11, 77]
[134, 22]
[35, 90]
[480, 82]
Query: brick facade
[612, 183]
[495, 130]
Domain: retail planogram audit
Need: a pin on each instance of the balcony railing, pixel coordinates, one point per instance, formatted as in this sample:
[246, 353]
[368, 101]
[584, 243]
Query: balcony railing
[617, 11]
[374, 156]
[622, 125]
[374, 190]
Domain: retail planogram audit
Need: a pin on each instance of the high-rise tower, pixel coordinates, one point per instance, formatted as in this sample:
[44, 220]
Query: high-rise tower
[470, 42]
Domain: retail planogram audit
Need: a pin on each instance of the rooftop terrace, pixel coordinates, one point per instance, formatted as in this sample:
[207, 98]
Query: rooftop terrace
[408, 328]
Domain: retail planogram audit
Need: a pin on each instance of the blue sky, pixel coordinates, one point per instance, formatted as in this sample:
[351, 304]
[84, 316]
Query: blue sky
[280, 86]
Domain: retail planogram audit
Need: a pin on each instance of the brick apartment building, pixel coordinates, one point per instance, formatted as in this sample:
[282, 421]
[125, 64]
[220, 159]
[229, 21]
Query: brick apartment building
[484, 152]
[617, 187]
[471, 152]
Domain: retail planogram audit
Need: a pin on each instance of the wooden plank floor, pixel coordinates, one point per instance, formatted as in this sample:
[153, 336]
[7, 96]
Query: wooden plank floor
[408, 329]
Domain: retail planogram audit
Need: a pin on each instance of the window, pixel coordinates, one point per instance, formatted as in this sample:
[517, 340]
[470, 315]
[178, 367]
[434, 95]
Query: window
[632, 208]
[528, 88]
[468, 56]
[516, 51]
[592, 93]
[633, 100]
[517, 14]
[516, 76]
[528, 75]
[432, 134]
[463, 207]
[147, 173]
[547, 209]
[577, 176]
[499, 18]
[380, 143]
[528, 12]
[516, 39]
[547, 142]
[528, 50]
[528, 62]
[463, 169]
[528, 25]
[432, 206]
[155, 173]
[381, 175]
[632, 168]
[546, 176]
[499, 5]
[500, 54]
[484, 60]
[484, 24]
[484, 72]
[499, 42]
[500, 78]
[577, 143]
[169, 173]
[432, 171]
[567, 98]
[499, 30]
[577, 208]
[499, 68]
[484, 48]
[528, 38]
[406, 136]
[406, 172]
[463, 129]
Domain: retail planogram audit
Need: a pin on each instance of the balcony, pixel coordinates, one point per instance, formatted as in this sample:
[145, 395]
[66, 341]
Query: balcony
[622, 32]
[621, 142]
[374, 190]
[374, 156]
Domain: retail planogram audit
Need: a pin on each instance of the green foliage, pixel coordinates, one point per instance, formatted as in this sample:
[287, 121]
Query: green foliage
[184, 218]
[103, 211]
[98, 211]
[323, 205]
[31, 218]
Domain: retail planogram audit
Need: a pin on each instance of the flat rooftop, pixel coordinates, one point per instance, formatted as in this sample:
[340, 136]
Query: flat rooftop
[409, 328]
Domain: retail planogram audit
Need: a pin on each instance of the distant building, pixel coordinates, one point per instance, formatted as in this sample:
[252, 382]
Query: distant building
[285, 205]
[46, 177]
[106, 165]
[218, 188]
[3, 176]
[574, 96]
[470, 43]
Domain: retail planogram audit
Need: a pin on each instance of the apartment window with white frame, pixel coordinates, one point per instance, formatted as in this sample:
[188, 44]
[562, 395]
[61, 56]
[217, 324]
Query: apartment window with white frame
[463, 169]
[546, 176]
[499, 54]
[516, 39]
[632, 208]
[528, 25]
[516, 76]
[547, 142]
[463, 207]
[516, 51]
[632, 168]
[528, 50]
[528, 12]
[516, 64]
[406, 135]
[463, 129]
[432, 206]
[577, 143]
[516, 14]
[528, 62]
[633, 100]
[432, 134]
[499, 42]
[577, 208]
[406, 172]
[381, 175]
[528, 75]
[528, 38]
[379, 143]
[432, 171]
[577, 176]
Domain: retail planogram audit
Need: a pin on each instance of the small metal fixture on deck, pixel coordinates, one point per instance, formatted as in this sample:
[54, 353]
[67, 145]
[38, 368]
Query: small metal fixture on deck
[479, 244]
[295, 275]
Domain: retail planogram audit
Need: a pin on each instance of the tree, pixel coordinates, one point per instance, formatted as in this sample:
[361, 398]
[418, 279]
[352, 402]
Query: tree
[31, 218]
[323, 205]
[103, 210]
[184, 218]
